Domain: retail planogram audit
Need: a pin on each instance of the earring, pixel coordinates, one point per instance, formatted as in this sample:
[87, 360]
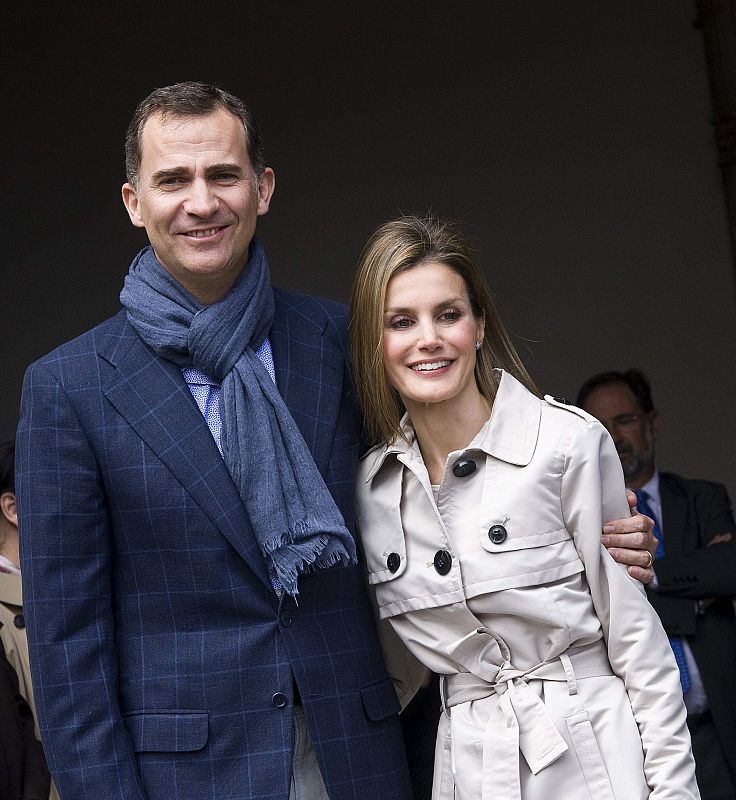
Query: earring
[477, 345]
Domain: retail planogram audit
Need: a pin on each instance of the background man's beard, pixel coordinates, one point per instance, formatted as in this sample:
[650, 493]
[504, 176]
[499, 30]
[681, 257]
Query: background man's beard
[635, 464]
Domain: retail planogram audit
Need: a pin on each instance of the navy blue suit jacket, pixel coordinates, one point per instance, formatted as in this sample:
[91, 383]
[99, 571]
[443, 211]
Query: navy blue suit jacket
[164, 665]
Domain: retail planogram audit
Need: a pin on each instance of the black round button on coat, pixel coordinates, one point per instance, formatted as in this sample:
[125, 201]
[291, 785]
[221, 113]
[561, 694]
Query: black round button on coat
[280, 700]
[497, 534]
[286, 618]
[463, 467]
[393, 562]
[19, 621]
[442, 562]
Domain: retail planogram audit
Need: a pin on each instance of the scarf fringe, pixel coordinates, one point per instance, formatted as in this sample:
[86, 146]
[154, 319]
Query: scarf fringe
[291, 560]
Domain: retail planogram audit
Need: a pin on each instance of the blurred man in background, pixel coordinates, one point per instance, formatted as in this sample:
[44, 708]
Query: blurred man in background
[695, 571]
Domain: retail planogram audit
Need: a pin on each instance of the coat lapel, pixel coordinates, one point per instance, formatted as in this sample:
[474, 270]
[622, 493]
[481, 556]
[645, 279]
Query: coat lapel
[309, 370]
[152, 396]
[674, 515]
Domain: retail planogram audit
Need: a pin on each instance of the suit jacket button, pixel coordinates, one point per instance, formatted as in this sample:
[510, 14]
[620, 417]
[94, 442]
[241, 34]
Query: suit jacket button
[463, 467]
[19, 621]
[497, 534]
[442, 562]
[393, 562]
[286, 618]
[280, 700]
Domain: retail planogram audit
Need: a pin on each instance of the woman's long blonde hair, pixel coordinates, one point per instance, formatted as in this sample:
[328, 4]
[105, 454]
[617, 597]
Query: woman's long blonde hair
[395, 247]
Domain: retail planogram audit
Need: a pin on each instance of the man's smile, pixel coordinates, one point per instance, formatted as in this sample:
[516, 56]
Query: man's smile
[202, 234]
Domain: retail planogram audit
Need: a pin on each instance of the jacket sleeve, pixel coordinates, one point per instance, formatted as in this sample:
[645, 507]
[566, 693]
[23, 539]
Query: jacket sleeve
[638, 649]
[709, 570]
[66, 555]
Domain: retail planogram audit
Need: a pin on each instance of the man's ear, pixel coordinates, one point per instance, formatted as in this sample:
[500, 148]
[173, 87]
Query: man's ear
[8, 508]
[654, 422]
[132, 206]
[266, 185]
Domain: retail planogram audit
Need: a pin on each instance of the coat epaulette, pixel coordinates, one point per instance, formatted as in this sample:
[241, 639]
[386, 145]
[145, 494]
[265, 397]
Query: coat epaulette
[560, 402]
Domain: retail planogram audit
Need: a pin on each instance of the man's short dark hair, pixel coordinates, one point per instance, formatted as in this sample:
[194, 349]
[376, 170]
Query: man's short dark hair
[189, 99]
[635, 379]
[7, 467]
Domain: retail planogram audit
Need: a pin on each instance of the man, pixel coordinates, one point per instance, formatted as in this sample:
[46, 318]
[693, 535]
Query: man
[12, 633]
[12, 621]
[198, 625]
[695, 571]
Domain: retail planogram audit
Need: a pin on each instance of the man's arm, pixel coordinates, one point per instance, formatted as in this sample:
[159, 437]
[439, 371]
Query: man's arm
[709, 571]
[66, 553]
[631, 541]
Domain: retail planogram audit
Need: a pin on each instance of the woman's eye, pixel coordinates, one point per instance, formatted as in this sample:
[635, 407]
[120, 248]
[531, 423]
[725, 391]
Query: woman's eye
[400, 323]
[450, 316]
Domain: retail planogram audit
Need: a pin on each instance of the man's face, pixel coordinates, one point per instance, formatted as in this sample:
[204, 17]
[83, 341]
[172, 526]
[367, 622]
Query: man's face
[632, 430]
[198, 199]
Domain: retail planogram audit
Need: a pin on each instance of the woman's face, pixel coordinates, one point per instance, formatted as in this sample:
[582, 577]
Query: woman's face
[429, 335]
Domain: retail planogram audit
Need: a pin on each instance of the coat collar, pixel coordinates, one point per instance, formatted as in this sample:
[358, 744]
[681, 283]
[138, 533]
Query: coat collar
[674, 514]
[510, 434]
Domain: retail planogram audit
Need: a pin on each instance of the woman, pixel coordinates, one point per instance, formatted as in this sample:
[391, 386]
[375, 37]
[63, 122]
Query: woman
[480, 515]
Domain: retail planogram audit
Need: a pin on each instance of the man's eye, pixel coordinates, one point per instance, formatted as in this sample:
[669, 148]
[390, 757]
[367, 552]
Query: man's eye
[172, 181]
[226, 177]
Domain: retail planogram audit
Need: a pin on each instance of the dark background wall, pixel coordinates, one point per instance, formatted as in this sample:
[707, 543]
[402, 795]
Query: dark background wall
[573, 138]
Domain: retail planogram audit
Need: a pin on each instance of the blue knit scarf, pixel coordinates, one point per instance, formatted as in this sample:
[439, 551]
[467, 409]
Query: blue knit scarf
[295, 520]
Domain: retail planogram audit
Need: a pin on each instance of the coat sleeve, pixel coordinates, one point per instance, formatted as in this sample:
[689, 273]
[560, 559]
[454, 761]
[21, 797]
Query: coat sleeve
[638, 649]
[66, 557]
[709, 570]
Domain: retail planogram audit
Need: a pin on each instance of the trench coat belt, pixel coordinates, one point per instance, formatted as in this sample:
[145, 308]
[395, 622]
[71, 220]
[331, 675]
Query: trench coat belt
[524, 723]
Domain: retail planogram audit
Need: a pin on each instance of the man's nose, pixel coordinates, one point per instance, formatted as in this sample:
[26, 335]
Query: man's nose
[201, 200]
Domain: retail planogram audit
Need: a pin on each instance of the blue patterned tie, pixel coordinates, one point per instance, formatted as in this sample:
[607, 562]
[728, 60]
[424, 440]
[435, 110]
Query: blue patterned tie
[206, 393]
[642, 503]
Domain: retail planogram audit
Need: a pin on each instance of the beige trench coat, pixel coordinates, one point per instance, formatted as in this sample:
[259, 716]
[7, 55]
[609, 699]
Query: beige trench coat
[13, 634]
[15, 642]
[558, 678]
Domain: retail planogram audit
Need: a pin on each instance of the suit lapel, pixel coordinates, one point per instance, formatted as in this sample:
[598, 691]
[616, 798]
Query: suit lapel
[309, 371]
[674, 515]
[152, 396]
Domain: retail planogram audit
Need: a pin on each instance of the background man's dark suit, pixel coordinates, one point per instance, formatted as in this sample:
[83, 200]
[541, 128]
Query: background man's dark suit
[696, 572]
[697, 584]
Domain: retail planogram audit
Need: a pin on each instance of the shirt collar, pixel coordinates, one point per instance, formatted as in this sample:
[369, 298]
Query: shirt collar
[651, 487]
